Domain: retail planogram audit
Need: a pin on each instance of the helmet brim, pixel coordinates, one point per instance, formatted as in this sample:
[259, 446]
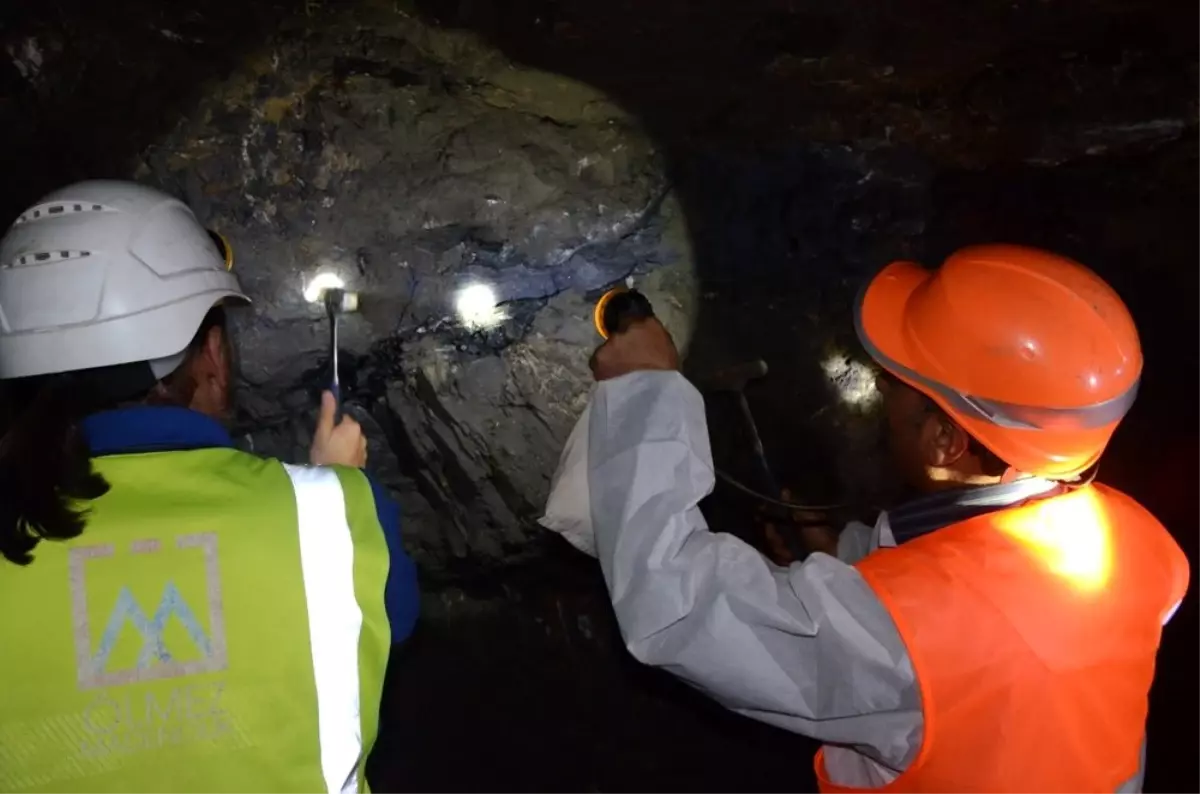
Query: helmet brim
[879, 316]
[157, 333]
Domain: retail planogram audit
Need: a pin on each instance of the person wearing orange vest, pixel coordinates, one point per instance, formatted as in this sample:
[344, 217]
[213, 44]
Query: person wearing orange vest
[997, 634]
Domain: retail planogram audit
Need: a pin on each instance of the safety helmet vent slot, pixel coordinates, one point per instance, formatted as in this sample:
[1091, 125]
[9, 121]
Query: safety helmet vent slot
[58, 208]
[46, 256]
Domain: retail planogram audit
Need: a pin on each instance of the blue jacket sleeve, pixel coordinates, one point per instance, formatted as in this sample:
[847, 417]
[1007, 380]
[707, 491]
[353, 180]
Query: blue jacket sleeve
[401, 596]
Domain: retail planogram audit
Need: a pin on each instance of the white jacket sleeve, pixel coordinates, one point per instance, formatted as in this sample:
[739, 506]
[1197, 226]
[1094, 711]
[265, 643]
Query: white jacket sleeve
[808, 648]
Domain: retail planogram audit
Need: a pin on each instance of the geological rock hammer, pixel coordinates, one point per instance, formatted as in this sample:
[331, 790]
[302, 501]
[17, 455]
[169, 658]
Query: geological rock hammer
[330, 290]
[734, 379]
[337, 301]
[619, 307]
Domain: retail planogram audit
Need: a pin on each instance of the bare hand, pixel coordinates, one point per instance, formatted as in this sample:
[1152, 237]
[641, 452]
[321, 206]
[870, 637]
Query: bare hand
[807, 532]
[646, 344]
[343, 443]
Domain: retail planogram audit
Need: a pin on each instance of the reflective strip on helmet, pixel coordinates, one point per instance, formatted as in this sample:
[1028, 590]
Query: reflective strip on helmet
[334, 621]
[1005, 414]
[1027, 417]
[223, 247]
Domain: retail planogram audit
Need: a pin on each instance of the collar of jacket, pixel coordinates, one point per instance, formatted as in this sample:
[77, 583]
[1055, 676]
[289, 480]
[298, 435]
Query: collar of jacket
[934, 511]
[152, 429]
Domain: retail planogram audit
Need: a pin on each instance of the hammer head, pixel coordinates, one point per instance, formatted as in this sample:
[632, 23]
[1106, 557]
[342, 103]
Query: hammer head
[340, 301]
[735, 378]
[330, 290]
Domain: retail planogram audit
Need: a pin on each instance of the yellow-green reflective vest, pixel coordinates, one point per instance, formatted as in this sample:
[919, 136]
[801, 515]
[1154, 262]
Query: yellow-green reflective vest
[218, 626]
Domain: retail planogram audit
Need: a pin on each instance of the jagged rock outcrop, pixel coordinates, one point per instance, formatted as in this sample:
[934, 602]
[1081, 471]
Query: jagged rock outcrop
[750, 187]
[420, 165]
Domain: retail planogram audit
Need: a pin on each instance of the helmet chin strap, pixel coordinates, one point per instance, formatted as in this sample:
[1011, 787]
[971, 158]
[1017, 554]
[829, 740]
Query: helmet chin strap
[1085, 477]
[1012, 475]
[1078, 481]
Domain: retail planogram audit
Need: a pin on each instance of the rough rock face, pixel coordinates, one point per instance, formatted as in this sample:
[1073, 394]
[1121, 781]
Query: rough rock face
[414, 165]
[416, 162]
[402, 147]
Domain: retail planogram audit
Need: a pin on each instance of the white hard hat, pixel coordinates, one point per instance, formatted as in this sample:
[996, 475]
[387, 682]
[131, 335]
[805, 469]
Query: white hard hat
[105, 273]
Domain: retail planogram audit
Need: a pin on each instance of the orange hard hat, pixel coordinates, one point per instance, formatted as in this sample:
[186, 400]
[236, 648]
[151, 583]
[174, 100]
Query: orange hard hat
[1031, 353]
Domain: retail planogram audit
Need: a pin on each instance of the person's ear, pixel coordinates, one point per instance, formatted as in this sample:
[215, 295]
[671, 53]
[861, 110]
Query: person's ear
[943, 442]
[210, 371]
[216, 350]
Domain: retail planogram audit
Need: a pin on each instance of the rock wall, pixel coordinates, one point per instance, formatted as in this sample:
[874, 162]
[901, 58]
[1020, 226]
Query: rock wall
[748, 171]
[415, 163]
[748, 164]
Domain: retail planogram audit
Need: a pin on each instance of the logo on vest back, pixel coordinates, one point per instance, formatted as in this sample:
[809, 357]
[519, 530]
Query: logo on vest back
[157, 614]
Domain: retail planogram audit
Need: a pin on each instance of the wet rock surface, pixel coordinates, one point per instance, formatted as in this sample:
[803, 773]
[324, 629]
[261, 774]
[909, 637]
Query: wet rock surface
[749, 165]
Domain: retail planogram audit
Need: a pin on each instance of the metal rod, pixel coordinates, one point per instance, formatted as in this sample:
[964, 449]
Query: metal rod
[729, 479]
[334, 383]
[760, 453]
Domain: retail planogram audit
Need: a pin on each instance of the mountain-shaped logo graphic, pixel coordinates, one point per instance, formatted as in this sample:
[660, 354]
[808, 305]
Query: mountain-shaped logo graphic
[155, 660]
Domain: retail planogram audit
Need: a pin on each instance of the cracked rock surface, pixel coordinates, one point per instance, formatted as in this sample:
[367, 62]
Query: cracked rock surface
[414, 166]
[749, 165]
[748, 171]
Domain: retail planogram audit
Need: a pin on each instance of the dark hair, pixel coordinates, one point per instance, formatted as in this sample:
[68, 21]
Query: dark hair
[45, 464]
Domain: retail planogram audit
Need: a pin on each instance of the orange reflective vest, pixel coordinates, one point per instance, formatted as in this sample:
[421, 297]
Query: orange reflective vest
[1032, 632]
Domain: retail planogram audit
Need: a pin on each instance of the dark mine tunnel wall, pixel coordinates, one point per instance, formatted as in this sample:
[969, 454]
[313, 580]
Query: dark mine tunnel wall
[806, 146]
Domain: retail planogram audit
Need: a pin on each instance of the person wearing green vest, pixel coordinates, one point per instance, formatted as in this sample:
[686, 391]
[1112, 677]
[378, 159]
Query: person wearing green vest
[178, 615]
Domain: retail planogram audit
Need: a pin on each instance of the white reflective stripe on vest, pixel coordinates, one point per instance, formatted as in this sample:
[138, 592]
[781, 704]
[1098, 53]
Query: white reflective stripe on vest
[334, 621]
